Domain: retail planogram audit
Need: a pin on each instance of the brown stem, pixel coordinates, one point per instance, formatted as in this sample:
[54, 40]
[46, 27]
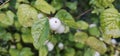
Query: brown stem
[83, 13]
[4, 3]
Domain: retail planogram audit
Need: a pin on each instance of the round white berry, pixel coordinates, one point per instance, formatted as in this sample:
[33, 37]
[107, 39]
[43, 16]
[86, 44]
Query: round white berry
[54, 23]
[45, 43]
[13, 46]
[40, 15]
[92, 25]
[61, 29]
[61, 45]
[101, 39]
[50, 46]
[116, 53]
[97, 54]
[113, 41]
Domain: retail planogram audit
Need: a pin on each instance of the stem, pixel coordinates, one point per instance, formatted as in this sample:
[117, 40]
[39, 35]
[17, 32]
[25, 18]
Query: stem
[4, 3]
[83, 13]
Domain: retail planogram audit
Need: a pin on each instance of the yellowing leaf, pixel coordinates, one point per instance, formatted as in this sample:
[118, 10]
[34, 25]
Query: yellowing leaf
[80, 37]
[96, 44]
[109, 20]
[44, 7]
[26, 15]
[43, 51]
[7, 18]
[82, 25]
[100, 5]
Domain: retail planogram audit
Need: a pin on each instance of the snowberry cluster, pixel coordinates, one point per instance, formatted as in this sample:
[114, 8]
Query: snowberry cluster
[56, 25]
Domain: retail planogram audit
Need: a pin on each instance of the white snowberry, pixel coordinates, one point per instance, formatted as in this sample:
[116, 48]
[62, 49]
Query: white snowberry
[97, 54]
[116, 53]
[61, 29]
[61, 45]
[50, 46]
[40, 15]
[92, 25]
[54, 23]
[113, 41]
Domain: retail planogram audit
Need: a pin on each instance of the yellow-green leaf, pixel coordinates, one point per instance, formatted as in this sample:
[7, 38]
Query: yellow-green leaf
[26, 15]
[80, 37]
[43, 6]
[96, 45]
[66, 18]
[26, 35]
[40, 32]
[7, 18]
[109, 20]
[43, 51]
[82, 25]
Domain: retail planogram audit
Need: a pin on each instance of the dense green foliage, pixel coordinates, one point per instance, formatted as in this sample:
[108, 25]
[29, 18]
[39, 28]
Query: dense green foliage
[80, 28]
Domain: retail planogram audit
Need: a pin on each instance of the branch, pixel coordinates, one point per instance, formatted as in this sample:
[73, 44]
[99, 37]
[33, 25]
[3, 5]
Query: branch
[83, 13]
[4, 3]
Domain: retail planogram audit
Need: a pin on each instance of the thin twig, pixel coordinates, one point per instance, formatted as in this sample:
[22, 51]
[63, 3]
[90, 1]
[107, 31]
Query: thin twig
[83, 13]
[4, 3]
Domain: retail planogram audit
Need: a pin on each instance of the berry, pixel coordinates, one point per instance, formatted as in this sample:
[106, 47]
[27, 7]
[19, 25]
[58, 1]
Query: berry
[40, 15]
[61, 29]
[54, 23]
[97, 54]
[50, 46]
[61, 45]
[113, 41]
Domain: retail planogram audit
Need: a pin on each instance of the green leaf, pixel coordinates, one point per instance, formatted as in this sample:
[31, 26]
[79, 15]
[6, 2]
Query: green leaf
[72, 5]
[43, 6]
[27, 38]
[53, 39]
[7, 36]
[79, 45]
[57, 4]
[11, 16]
[17, 25]
[26, 52]
[26, 35]
[43, 51]
[40, 32]
[26, 15]
[96, 45]
[14, 52]
[89, 52]
[17, 37]
[71, 36]
[19, 46]
[69, 52]
[2, 31]
[66, 18]
[94, 31]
